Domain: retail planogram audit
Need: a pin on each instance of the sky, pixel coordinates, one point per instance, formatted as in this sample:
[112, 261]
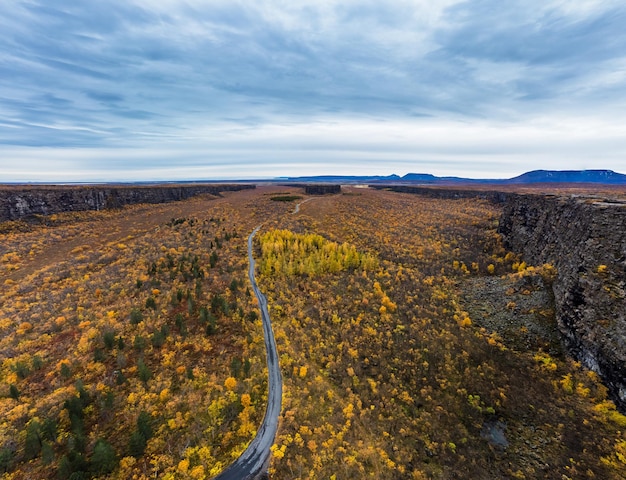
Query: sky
[126, 90]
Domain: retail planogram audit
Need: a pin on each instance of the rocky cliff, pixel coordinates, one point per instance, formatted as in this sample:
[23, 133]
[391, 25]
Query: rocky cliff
[318, 189]
[19, 202]
[585, 238]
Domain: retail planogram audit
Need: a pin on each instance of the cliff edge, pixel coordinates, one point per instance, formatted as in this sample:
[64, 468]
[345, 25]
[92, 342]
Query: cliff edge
[585, 239]
[18, 202]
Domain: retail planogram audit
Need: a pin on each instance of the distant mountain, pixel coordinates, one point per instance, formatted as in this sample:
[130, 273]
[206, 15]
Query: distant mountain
[571, 176]
[605, 177]
[420, 177]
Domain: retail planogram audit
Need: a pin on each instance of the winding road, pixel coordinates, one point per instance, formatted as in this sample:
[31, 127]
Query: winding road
[254, 461]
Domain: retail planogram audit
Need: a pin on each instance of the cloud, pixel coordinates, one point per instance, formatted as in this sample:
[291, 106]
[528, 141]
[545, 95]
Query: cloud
[548, 50]
[314, 79]
[477, 150]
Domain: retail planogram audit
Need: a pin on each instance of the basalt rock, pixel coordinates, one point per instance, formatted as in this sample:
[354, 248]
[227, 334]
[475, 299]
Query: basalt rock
[19, 202]
[585, 238]
[322, 189]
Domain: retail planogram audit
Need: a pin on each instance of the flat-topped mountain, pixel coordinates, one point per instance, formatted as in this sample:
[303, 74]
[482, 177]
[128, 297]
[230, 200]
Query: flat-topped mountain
[571, 176]
[605, 177]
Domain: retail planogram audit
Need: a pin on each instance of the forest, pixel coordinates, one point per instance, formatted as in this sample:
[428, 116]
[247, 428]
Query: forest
[412, 343]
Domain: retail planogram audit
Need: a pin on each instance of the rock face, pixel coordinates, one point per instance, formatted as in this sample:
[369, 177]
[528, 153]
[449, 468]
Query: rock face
[321, 189]
[19, 202]
[446, 192]
[585, 238]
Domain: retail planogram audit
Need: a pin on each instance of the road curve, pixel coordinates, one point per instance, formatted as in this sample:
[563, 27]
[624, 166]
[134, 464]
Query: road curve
[254, 461]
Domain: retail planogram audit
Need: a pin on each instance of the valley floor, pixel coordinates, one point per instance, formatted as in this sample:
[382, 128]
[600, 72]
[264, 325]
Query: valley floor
[412, 344]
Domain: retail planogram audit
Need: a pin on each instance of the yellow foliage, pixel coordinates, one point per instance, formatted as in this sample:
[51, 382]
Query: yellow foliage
[606, 409]
[288, 253]
[278, 452]
[61, 363]
[230, 383]
[183, 466]
[464, 321]
[546, 361]
[388, 304]
[567, 383]
[126, 464]
[5, 323]
[24, 327]
[620, 451]
[197, 472]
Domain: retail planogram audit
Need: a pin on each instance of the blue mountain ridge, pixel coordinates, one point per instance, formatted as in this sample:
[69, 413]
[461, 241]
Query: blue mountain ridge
[600, 177]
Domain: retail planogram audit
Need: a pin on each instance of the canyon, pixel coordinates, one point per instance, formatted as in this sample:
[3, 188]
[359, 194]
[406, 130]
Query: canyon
[584, 237]
[22, 201]
[582, 234]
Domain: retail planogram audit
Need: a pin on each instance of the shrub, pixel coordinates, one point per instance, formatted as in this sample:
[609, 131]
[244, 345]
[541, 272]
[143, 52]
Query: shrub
[151, 303]
[65, 370]
[47, 453]
[143, 371]
[104, 458]
[109, 339]
[14, 393]
[32, 445]
[139, 343]
[158, 339]
[135, 314]
[73, 466]
[21, 369]
[6, 456]
[37, 362]
[141, 435]
[49, 429]
[137, 444]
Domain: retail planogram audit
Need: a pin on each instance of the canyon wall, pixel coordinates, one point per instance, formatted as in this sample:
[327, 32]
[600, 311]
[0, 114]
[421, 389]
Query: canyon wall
[319, 189]
[585, 238]
[18, 202]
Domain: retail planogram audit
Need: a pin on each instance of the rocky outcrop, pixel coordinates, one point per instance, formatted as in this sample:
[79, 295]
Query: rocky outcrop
[19, 202]
[446, 192]
[585, 238]
[322, 189]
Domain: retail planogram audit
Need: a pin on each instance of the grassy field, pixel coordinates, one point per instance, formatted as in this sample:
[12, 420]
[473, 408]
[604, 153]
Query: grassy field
[412, 344]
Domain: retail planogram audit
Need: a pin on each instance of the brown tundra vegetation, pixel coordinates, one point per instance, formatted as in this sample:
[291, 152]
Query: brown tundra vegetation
[412, 344]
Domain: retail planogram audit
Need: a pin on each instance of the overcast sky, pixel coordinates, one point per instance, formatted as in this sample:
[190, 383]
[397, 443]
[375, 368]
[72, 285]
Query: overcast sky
[207, 89]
